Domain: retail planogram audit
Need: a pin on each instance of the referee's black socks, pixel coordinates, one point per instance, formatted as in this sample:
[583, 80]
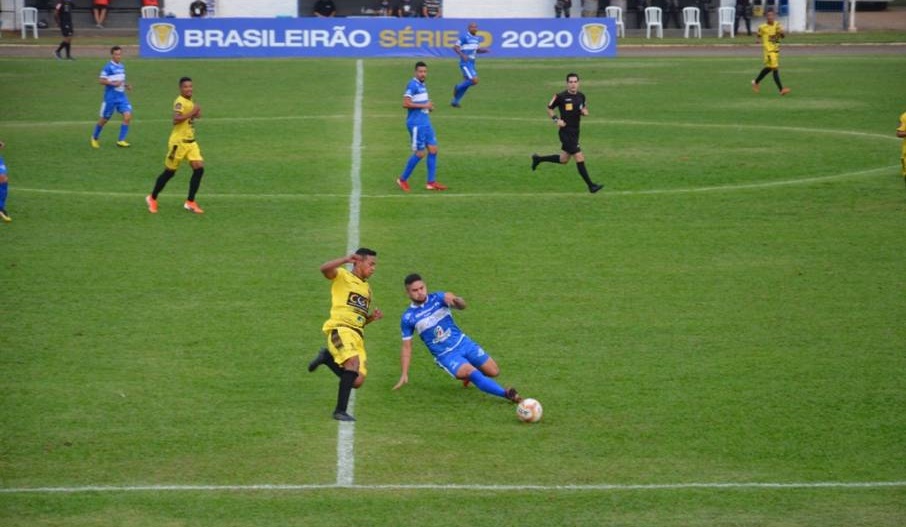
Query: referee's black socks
[584, 173]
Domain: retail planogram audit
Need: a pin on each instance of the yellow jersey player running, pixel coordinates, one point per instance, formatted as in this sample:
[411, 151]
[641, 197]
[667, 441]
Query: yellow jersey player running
[350, 311]
[770, 33]
[181, 146]
[901, 132]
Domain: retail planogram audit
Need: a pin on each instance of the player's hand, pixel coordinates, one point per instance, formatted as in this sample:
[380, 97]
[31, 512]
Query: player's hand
[128, 87]
[561, 123]
[430, 106]
[376, 315]
[404, 379]
[197, 112]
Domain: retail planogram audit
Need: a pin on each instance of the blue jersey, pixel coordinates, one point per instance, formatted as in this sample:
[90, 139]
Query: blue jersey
[469, 44]
[2, 166]
[434, 323]
[114, 71]
[418, 93]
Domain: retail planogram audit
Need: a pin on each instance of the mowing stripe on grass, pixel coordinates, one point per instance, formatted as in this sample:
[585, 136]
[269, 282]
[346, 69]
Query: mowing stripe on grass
[462, 487]
[346, 431]
[453, 194]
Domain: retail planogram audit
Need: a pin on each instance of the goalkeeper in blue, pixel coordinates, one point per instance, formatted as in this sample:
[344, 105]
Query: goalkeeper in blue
[430, 316]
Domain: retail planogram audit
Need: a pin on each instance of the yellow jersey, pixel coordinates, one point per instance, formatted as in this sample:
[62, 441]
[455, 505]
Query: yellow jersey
[902, 128]
[350, 300]
[184, 131]
[770, 36]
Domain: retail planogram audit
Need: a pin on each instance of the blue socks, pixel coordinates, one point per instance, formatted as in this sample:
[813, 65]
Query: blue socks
[4, 188]
[432, 167]
[461, 89]
[97, 131]
[486, 384]
[410, 166]
[124, 129]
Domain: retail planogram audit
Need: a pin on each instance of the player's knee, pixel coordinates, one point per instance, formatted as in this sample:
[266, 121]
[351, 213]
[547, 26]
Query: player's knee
[474, 81]
[3, 179]
[359, 381]
[490, 369]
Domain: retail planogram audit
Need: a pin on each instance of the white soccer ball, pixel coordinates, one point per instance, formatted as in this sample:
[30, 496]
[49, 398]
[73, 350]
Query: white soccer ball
[529, 411]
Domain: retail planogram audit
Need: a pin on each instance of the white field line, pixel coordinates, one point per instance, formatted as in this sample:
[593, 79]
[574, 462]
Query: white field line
[604, 487]
[346, 430]
[453, 194]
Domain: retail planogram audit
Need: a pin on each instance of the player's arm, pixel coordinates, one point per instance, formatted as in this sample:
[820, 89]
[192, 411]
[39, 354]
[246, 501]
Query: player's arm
[405, 360]
[375, 315]
[409, 104]
[458, 50]
[56, 14]
[901, 132]
[552, 114]
[329, 269]
[454, 301]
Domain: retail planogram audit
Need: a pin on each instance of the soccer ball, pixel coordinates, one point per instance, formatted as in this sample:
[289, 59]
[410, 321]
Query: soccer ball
[529, 411]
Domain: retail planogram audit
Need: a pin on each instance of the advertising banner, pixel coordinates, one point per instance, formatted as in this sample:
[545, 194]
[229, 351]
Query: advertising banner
[372, 37]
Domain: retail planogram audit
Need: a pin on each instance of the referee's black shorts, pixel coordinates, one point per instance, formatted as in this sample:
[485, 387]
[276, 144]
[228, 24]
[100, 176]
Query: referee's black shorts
[66, 29]
[569, 140]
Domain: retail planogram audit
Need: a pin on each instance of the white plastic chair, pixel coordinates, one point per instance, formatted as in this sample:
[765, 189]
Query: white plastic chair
[616, 13]
[150, 11]
[653, 17]
[726, 16]
[28, 17]
[691, 21]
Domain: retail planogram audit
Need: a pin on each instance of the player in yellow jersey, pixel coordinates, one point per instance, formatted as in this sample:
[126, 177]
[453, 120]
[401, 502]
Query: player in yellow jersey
[901, 132]
[350, 311]
[181, 146]
[770, 33]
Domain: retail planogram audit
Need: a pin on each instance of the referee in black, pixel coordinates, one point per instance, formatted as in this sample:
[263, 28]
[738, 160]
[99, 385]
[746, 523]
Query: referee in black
[63, 15]
[571, 104]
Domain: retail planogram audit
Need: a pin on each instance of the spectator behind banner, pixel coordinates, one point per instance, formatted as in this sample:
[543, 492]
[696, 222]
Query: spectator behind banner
[431, 9]
[405, 9]
[743, 11]
[198, 9]
[325, 9]
[562, 7]
[383, 8]
[99, 10]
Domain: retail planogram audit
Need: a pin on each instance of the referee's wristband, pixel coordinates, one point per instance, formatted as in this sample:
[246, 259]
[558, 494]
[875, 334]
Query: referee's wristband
[555, 118]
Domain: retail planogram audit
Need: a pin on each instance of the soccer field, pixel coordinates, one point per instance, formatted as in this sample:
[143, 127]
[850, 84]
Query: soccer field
[717, 337]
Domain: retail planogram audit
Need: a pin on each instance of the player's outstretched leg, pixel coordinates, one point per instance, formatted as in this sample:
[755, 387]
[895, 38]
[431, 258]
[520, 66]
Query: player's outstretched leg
[324, 357]
[537, 160]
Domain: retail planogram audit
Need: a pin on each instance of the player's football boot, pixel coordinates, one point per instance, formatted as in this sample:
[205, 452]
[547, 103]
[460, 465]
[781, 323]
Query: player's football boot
[152, 204]
[755, 87]
[94, 143]
[435, 185]
[322, 358]
[343, 416]
[57, 55]
[123, 144]
[403, 184]
[595, 187]
[513, 395]
[785, 91]
[5, 216]
[193, 207]
[536, 160]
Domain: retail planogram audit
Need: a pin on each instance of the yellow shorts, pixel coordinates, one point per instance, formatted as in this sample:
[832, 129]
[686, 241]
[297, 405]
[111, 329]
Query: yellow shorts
[180, 150]
[346, 343]
[772, 59]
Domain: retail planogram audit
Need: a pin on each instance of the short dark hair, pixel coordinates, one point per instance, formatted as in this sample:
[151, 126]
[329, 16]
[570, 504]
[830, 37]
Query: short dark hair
[412, 278]
[184, 79]
[568, 75]
[420, 64]
[364, 251]
[114, 48]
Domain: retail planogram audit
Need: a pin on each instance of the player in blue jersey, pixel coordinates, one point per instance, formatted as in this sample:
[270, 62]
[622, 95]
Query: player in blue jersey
[4, 186]
[113, 77]
[467, 48]
[418, 121]
[430, 317]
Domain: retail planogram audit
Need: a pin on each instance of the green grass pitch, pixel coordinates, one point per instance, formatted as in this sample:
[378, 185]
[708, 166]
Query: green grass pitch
[729, 310]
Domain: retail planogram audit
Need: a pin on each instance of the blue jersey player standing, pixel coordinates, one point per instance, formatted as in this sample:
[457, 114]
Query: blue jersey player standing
[429, 317]
[113, 77]
[467, 48]
[421, 134]
[4, 186]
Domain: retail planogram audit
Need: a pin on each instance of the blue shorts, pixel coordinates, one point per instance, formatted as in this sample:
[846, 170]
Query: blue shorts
[422, 136]
[468, 71]
[467, 352]
[119, 104]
